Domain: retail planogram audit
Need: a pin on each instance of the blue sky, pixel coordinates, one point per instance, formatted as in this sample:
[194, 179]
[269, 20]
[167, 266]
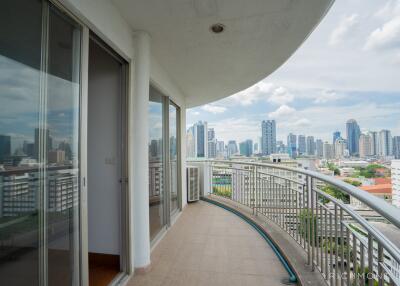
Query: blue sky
[349, 67]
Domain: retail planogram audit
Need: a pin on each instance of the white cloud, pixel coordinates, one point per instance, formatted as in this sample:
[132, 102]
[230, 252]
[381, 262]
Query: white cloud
[387, 36]
[213, 108]
[327, 96]
[251, 94]
[303, 122]
[281, 96]
[344, 29]
[390, 9]
[282, 111]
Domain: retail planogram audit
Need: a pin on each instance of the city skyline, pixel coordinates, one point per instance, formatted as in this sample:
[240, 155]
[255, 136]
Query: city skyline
[353, 72]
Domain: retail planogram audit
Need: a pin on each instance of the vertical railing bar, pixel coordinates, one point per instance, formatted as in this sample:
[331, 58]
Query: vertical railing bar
[381, 277]
[370, 260]
[336, 245]
[348, 261]
[341, 247]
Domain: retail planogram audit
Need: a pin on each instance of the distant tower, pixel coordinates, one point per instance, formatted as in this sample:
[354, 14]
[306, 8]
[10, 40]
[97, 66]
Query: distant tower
[336, 135]
[353, 137]
[301, 144]
[292, 145]
[268, 137]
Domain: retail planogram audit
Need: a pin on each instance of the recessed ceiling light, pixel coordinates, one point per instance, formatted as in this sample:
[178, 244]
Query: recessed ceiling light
[217, 28]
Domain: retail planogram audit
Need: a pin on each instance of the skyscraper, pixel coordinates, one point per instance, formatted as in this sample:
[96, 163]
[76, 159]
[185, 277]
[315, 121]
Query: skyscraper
[374, 142]
[5, 147]
[353, 135]
[246, 148]
[328, 151]
[231, 148]
[385, 143]
[396, 147]
[365, 145]
[292, 145]
[310, 146]
[339, 148]
[319, 148]
[212, 143]
[336, 135]
[268, 137]
[197, 140]
[301, 144]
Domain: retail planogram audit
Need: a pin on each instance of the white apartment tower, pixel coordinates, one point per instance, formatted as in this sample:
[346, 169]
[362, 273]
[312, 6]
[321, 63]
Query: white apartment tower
[385, 143]
[365, 143]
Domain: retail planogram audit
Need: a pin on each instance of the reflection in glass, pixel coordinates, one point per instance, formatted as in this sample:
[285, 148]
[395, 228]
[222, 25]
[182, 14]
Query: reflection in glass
[20, 59]
[156, 160]
[173, 163]
[62, 149]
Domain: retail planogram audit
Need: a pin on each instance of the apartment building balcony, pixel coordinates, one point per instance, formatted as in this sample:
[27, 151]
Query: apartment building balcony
[211, 246]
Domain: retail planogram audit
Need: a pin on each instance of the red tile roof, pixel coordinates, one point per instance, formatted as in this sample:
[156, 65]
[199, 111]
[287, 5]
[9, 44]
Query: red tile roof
[381, 181]
[378, 189]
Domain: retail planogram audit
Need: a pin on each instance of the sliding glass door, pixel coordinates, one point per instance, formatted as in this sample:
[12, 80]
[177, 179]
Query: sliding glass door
[39, 139]
[156, 163]
[173, 157]
[163, 161]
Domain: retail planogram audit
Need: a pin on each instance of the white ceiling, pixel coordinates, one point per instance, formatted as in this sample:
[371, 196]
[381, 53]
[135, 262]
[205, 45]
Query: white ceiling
[260, 36]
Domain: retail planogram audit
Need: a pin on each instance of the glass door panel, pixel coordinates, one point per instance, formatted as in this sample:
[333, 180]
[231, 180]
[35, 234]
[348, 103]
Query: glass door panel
[61, 135]
[156, 163]
[20, 64]
[173, 157]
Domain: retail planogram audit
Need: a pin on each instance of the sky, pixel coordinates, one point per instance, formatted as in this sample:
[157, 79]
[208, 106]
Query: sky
[349, 67]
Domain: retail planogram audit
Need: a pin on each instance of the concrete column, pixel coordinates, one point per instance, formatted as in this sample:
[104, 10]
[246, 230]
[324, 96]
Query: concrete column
[139, 156]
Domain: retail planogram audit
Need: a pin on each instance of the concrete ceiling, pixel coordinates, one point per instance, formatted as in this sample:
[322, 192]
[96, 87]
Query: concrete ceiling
[260, 35]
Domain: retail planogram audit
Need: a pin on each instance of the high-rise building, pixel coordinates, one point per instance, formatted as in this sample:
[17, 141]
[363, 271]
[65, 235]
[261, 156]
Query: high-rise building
[319, 148]
[56, 156]
[336, 135]
[292, 145]
[310, 146]
[328, 151]
[281, 147]
[339, 148]
[190, 145]
[396, 147]
[353, 135]
[197, 140]
[231, 148]
[268, 137]
[212, 143]
[200, 131]
[49, 141]
[365, 142]
[246, 148]
[212, 148]
[220, 149]
[395, 171]
[385, 143]
[5, 147]
[374, 142]
[301, 144]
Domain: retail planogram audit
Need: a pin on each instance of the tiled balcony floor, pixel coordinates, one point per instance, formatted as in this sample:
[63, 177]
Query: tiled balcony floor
[211, 246]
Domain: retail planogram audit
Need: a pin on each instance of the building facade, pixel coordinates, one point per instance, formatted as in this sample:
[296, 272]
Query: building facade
[268, 137]
[353, 135]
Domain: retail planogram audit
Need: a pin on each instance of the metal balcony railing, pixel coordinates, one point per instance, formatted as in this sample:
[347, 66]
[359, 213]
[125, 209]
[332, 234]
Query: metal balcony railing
[315, 210]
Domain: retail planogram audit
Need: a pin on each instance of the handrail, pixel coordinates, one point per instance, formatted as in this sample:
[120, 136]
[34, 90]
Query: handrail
[287, 213]
[388, 211]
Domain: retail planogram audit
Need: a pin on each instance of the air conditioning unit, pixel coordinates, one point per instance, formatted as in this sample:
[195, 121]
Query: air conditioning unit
[193, 183]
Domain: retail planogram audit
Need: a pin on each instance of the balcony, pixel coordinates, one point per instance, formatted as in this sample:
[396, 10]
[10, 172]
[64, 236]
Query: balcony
[211, 246]
[321, 238]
